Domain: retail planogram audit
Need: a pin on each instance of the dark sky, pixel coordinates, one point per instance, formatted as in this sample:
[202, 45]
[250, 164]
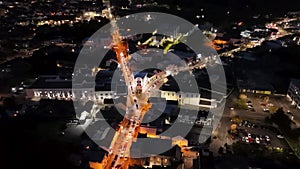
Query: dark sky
[273, 6]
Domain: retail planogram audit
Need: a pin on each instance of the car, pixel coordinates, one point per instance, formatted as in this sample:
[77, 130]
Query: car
[130, 134]
[123, 148]
[250, 125]
[247, 139]
[250, 140]
[280, 136]
[62, 133]
[257, 140]
[267, 138]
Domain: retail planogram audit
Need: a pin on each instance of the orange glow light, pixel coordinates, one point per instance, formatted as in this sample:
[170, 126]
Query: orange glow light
[95, 165]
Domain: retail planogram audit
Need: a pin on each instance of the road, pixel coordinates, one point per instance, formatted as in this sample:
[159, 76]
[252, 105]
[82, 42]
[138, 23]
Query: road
[137, 104]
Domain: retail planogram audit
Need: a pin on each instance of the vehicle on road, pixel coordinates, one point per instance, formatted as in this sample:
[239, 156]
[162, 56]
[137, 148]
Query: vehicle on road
[280, 136]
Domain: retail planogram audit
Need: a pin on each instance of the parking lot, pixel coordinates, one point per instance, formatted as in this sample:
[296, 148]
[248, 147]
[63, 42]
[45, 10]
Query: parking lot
[258, 108]
[260, 134]
[257, 127]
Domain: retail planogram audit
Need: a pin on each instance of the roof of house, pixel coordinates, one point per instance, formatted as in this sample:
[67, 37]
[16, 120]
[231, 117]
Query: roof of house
[296, 82]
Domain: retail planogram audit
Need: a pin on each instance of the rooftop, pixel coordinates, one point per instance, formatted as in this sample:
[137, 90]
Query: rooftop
[51, 82]
[296, 82]
[56, 82]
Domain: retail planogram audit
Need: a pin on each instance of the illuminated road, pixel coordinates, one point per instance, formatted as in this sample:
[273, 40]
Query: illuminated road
[136, 106]
[245, 46]
[137, 103]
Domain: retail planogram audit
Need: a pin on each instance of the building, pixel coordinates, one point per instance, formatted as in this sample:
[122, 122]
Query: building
[183, 98]
[54, 87]
[97, 159]
[294, 92]
[189, 98]
[103, 90]
[165, 159]
[255, 86]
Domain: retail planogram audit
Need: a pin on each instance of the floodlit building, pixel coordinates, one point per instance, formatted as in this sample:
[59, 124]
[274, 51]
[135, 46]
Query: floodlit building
[103, 89]
[254, 86]
[165, 159]
[294, 92]
[54, 87]
[169, 95]
[183, 98]
[189, 98]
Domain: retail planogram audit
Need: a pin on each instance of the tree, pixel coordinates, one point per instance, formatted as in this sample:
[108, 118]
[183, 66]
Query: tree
[241, 104]
[243, 96]
[268, 120]
[282, 120]
[226, 145]
[9, 102]
[221, 151]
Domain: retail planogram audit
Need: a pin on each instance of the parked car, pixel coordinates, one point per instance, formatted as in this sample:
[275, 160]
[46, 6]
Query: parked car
[257, 140]
[268, 138]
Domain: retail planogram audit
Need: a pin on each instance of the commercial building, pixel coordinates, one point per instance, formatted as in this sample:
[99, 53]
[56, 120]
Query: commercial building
[255, 86]
[54, 87]
[294, 92]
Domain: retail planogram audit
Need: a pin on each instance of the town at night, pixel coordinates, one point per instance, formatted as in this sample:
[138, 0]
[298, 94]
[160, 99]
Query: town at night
[137, 84]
